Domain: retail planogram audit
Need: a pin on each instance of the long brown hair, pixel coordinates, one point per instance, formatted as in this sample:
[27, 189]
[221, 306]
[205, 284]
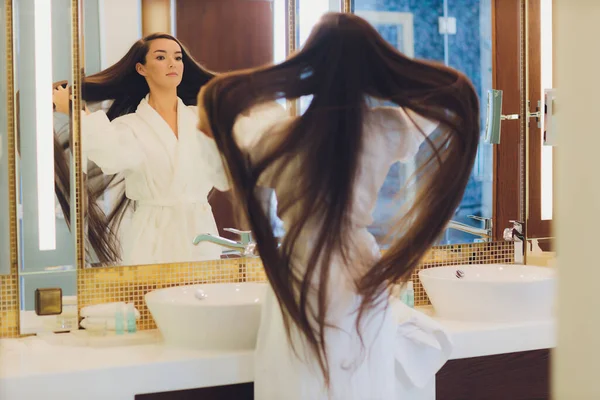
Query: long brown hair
[121, 84]
[344, 63]
[100, 239]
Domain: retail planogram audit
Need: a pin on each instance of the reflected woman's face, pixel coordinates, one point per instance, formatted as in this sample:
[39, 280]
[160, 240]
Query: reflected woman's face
[164, 64]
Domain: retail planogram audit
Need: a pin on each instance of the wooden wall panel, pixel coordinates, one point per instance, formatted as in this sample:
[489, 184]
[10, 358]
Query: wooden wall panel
[226, 35]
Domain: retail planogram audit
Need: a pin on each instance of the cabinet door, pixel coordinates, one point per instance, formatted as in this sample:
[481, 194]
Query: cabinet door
[515, 376]
[244, 391]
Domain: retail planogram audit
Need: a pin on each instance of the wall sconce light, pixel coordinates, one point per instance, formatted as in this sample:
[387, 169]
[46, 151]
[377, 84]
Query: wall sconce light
[44, 114]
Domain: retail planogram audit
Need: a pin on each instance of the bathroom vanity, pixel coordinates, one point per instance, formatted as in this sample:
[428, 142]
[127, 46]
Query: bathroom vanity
[489, 361]
[518, 376]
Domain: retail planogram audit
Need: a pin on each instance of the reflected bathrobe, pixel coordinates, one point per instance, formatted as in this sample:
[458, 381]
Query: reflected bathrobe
[168, 178]
[357, 373]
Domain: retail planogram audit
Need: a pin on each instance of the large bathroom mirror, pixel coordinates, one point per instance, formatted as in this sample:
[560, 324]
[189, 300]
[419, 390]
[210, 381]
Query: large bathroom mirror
[5, 153]
[457, 33]
[42, 65]
[141, 200]
[145, 180]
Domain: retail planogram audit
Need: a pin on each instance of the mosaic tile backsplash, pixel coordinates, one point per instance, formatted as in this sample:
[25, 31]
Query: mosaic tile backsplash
[9, 289]
[130, 284]
[9, 305]
[462, 254]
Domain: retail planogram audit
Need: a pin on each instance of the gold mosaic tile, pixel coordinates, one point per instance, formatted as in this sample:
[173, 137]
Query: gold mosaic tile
[476, 253]
[9, 306]
[253, 271]
[9, 284]
[130, 284]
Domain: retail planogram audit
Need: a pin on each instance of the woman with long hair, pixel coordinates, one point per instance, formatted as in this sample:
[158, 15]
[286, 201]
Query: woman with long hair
[326, 331]
[148, 140]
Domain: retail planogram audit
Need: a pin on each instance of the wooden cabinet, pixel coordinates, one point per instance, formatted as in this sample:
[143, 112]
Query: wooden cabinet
[514, 376]
[244, 391]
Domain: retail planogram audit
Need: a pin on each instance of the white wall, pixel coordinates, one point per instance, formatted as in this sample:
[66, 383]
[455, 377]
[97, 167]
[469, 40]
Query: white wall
[577, 358]
[120, 27]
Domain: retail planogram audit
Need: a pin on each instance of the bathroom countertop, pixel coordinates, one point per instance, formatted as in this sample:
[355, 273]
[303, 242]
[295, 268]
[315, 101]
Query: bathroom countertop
[476, 339]
[32, 368]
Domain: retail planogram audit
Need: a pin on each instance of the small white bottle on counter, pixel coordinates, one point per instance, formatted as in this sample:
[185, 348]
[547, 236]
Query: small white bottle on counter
[410, 294]
[67, 320]
[407, 296]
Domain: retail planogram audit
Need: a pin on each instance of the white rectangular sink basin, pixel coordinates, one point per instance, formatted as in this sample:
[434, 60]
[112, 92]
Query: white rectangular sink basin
[220, 316]
[491, 293]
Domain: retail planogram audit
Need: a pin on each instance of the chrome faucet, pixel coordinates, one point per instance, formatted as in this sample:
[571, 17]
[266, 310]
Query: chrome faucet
[486, 233]
[516, 234]
[245, 247]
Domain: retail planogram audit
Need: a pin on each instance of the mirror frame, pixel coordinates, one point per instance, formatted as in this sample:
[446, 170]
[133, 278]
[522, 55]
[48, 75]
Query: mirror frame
[346, 6]
[77, 178]
[16, 277]
[11, 141]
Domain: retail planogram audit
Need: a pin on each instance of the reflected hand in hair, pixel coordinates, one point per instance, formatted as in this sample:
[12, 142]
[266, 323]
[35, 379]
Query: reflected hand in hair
[203, 123]
[61, 95]
[60, 98]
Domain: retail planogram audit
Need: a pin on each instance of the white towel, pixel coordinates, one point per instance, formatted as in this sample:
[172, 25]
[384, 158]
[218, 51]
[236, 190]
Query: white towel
[106, 310]
[110, 323]
[422, 346]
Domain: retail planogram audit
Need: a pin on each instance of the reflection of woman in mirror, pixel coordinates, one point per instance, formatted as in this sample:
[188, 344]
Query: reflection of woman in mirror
[62, 176]
[149, 137]
[326, 330]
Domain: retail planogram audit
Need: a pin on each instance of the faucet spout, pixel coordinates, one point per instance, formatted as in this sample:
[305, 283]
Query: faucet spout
[246, 246]
[516, 234]
[481, 232]
[221, 241]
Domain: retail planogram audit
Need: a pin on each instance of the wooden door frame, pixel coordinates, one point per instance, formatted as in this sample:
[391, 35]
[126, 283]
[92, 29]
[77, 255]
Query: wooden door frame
[508, 75]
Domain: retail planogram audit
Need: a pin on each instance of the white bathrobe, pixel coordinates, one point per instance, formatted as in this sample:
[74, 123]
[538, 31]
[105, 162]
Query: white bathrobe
[168, 178]
[394, 359]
